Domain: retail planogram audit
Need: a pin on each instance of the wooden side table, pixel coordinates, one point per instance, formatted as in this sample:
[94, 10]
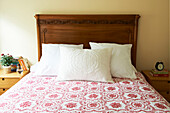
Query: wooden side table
[161, 84]
[8, 80]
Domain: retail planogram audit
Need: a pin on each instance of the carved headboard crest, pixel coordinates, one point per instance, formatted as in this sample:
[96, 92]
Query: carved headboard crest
[57, 21]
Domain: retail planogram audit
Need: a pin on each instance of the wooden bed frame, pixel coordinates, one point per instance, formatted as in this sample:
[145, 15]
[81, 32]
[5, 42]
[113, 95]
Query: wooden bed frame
[82, 29]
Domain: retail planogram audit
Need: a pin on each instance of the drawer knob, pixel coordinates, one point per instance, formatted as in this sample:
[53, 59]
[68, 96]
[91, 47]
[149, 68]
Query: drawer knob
[168, 81]
[3, 89]
[167, 92]
[3, 78]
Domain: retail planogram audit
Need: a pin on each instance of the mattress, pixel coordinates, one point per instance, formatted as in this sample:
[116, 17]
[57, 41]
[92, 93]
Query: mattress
[46, 94]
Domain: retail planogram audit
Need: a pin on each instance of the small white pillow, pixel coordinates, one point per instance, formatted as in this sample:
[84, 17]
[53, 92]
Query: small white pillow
[50, 59]
[121, 65]
[85, 64]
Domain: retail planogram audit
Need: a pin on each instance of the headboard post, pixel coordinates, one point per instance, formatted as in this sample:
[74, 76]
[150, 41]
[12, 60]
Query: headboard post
[135, 39]
[82, 29]
[38, 37]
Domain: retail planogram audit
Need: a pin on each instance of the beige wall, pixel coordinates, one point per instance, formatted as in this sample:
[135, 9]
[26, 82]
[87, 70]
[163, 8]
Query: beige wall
[18, 30]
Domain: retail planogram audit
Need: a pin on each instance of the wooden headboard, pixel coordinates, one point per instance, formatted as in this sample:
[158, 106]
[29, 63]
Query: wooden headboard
[82, 29]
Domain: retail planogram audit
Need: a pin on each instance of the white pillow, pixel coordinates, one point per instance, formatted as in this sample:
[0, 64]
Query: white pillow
[121, 65]
[50, 59]
[85, 64]
[34, 67]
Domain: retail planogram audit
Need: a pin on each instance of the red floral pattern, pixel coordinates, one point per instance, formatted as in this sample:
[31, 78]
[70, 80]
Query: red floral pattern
[93, 96]
[71, 105]
[46, 94]
[93, 104]
[160, 106]
[111, 88]
[132, 95]
[3, 104]
[25, 104]
[115, 105]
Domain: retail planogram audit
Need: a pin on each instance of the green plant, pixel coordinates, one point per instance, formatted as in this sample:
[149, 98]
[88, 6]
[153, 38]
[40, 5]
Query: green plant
[6, 60]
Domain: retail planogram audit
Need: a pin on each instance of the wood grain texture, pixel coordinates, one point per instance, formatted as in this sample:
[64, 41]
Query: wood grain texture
[10, 79]
[82, 29]
[7, 83]
[3, 90]
[166, 95]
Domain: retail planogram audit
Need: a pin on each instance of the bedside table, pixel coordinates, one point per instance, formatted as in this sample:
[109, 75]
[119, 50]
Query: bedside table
[8, 80]
[161, 84]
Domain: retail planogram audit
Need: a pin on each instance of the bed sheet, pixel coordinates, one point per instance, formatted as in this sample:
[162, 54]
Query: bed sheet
[46, 94]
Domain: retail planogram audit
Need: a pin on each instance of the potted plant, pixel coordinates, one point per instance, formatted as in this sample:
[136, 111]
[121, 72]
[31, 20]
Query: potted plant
[6, 61]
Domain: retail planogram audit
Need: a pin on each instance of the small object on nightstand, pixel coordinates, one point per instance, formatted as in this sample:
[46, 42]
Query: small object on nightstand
[8, 80]
[159, 66]
[7, 69]
[159, 70]
[163, 73]
[13, 67]
[161, 84]
[24, 64]
[6, 61]
[19, 70]
[14, 64]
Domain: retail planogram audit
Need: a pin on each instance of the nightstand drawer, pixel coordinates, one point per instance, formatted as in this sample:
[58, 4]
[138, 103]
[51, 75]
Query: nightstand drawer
[166, 95]
[7, 83]
[2, 91]
[160, 85]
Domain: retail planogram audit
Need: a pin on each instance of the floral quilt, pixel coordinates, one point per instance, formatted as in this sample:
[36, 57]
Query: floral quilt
[35, 94]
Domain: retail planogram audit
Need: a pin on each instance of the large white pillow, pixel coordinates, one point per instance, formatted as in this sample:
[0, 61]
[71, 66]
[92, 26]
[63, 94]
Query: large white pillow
[121, 65]
[50, 59]
[85, 64]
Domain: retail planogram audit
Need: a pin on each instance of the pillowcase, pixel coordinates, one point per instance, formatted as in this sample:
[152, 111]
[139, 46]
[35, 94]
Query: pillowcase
[34, 67]
[50, 59]
[121, 65]
[85, 64]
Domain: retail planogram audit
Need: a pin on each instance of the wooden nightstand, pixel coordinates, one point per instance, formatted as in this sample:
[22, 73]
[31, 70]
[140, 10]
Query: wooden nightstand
[161, 84]
[8, 80]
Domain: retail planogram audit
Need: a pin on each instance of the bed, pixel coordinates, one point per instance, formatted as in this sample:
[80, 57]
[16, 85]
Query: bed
[44, 93]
